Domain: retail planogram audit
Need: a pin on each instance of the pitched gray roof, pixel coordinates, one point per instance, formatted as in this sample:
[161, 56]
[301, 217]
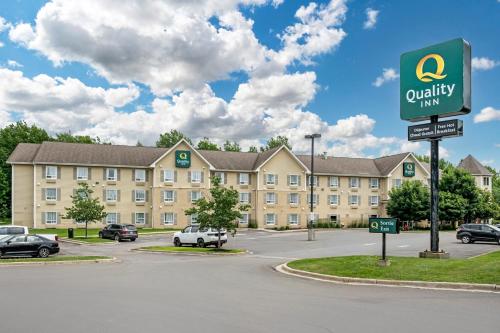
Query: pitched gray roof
[473, 166]
[24, 153]
[387, 163]
[226, 160]
[342, 165]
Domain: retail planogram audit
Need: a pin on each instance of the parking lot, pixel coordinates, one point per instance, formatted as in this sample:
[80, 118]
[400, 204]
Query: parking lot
[152, 292]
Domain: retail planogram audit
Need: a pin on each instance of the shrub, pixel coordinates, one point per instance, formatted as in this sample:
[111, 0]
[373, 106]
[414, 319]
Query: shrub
[252, 224]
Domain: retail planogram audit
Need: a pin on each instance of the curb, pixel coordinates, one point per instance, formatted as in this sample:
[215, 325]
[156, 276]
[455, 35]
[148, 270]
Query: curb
[200, 254]
[492, 288]
[69, 262]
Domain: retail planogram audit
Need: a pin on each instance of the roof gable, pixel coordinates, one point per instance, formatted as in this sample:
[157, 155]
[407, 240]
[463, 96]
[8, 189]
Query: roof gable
[266, 156]
[181, 141]
[474, 166]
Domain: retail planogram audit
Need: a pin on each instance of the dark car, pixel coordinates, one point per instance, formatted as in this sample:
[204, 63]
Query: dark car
[469, 233]
[28, 245]
[119, 232]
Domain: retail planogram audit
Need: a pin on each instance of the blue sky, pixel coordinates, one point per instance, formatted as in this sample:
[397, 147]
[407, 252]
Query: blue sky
[342, 86]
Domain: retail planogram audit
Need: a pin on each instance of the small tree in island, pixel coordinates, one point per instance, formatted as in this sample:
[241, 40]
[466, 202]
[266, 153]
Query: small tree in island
[85, 209]
[220, 210]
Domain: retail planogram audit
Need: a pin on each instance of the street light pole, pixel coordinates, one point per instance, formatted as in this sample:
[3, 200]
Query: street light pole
[310, 230]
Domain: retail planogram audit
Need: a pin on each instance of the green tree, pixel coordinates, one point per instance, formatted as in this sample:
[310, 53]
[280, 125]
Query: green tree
[460, 182]
[486, 207]
[70, 138]
[220, 210]
[451, 207]
[252, 149]
[4, 194]
[495, 184]
[443, 164]
[231, 146]
[276, 142]
[169, 139]
[410, 202]
[206, 144]
[85, 208]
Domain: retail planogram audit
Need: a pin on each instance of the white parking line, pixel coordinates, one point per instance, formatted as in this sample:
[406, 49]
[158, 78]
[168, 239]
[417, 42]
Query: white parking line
[369, 244]
[404, 246]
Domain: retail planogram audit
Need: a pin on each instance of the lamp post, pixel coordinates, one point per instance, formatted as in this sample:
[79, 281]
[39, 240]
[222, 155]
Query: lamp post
[310, 231]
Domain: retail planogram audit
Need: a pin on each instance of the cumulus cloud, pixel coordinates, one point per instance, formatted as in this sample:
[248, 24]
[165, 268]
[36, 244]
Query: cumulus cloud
[4, 25]
[483, 64]
[371, 18]
[388, 74]
[13, 64]
[487, 114]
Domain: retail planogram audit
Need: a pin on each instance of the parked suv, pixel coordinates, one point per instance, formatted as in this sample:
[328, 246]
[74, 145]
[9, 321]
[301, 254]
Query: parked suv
[195, 236]
[469, 233]
[119, 232]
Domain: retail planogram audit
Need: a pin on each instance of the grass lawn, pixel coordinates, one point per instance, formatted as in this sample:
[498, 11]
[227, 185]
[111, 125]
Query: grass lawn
[5, 221]
[53, 259]
[483, 269]
[190, 249]
[91, 232]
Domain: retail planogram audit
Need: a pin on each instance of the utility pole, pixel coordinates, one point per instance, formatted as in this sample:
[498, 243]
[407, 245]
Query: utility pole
[310, 230]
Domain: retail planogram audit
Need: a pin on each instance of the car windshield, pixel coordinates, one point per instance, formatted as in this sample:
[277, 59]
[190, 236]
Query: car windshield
[495, 227]
[130, 227]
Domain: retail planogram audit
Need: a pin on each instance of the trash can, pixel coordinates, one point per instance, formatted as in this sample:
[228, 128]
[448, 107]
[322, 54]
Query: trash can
[71, 233]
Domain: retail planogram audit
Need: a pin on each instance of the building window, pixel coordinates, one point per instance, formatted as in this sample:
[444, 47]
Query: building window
[374, 183]
[112, 195]
[353, 200]
[111, 174]
[195, 196]
[315, 199]
[196, 177]
[244, 218]
[270, 198]
[293, 219]
[486, 181]
[50, 218]
[169, 196]
[334, 182]
[244, 197]
[193, 218]
[140, 196]
[353, 182]
[140, 175]
[82, 173]
[270, 179]
[51, 172]
[140, 218]
[374, 200]
[50, 194]
[333, 200]
[244, 179]
[314, 181]
[112, 218]
[221, 176]
[333, 218]
[293, 180]
[396, 183]
[270, 219]
[293, 198]
[168, 176]
[168, 218]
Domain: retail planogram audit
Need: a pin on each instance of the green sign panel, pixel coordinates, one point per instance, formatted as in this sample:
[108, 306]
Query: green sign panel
[182, 158]
[408, 169]
[436, 81]
[384, 225]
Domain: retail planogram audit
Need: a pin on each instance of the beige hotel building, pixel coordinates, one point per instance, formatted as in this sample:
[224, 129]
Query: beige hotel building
[152, 187]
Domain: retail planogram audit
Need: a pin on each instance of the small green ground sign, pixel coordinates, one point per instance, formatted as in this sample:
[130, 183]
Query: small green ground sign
[435, 81]
[408, 169]
[182, 158]
[386, 225]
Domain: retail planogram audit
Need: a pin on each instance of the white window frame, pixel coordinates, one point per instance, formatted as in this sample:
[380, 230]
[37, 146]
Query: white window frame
[54, 198]
[193, 219]
[136, 195]
[315, 198]
[167, 221]
[351, 203]
[242, 197]
[80, 176]
[333, 181]
[314, 180]
[221, 176]
[111, 221]
[296, 182]
[273, 219]
[351, 184]
[165, 197]
[143, 178]
[115, 177]
[244, 218]
[51, 175]
[377, 181]
[111, 190]
[195, 177]
[296, 195]
[166, 173]
[296, 222]
[50, 220]
[244, 178]
[268, 196]
[486, 181]
[193, 198]
[372, 202]
[397, 183]
[270, 179]
[143, 218]
[330, 197]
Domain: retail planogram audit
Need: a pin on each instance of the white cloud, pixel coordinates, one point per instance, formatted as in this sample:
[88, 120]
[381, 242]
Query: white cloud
[371, 18]
[388, 74]
[483, 64]
[497, 144]
[1, 44]
[4, 25]
[487, 162]
[443, 152]
[13, 64]
[487, 114]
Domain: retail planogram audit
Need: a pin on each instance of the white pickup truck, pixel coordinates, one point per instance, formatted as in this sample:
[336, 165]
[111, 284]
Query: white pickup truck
[8, 230]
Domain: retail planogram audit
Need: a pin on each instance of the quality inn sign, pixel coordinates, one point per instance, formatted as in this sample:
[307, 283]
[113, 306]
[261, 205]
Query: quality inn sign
[435, 81]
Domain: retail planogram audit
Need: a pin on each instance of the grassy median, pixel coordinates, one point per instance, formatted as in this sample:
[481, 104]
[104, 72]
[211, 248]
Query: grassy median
[52, 259]
[483, 269]
[189, 249]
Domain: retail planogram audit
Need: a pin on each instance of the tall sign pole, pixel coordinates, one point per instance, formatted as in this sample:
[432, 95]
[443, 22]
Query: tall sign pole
[435, 83]
[310, 231]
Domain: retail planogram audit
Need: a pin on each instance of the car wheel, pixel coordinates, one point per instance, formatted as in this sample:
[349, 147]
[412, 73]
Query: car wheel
[43, 252]
[201, 242]
[466, 239]
[1, 254]
[117, 237]
[177, 242]
[132, 239]
[100, 235]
